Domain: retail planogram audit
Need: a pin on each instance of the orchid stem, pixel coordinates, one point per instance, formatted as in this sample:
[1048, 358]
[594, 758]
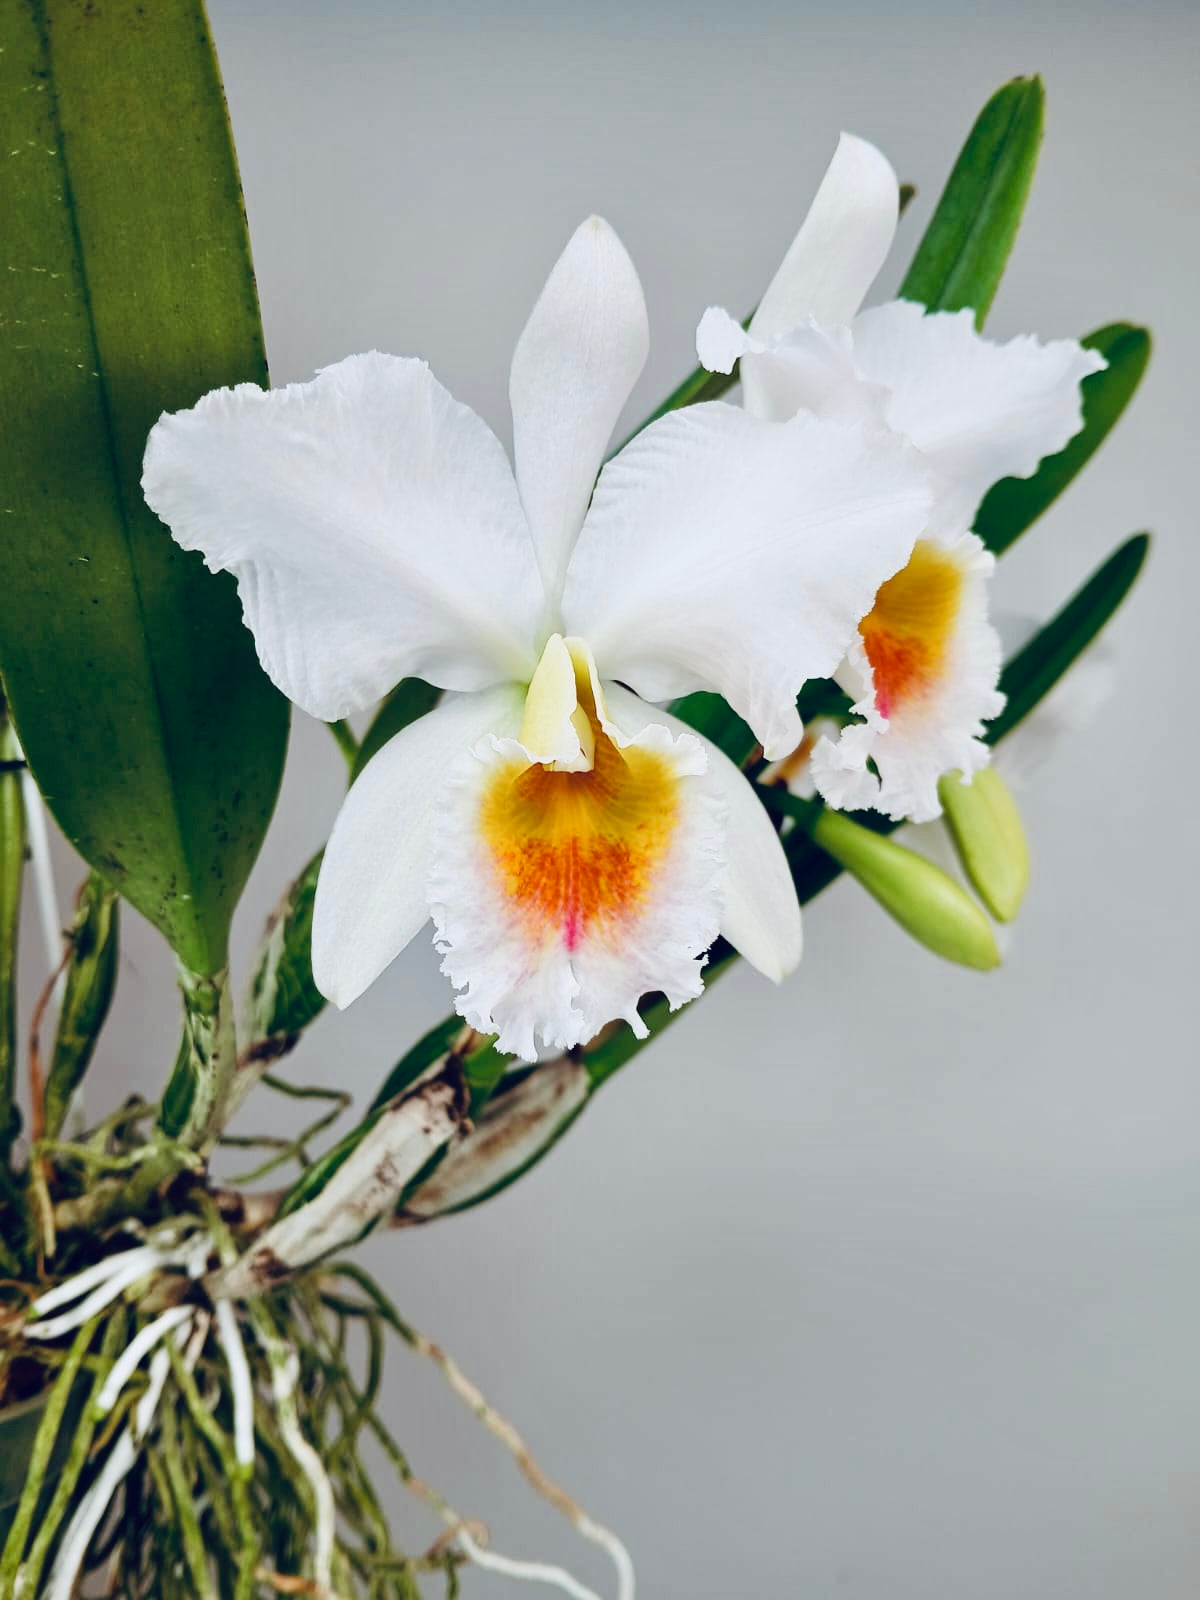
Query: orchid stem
[346, 741]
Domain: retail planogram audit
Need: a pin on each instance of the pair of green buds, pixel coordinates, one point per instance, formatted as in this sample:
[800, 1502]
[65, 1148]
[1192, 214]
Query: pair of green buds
[984, 826]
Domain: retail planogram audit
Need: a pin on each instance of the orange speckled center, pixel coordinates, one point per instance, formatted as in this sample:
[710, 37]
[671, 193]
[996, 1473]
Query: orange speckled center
[577, 852]
[908, 630]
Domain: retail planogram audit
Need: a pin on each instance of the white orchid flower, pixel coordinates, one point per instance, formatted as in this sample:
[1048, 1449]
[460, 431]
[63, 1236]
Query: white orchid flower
[576, 846]
[924, 667]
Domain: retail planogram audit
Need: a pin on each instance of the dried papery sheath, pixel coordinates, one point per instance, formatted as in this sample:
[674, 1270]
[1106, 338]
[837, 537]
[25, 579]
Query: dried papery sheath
[393, 1148]
[517, 1126]
[91, 977]
[283, 998]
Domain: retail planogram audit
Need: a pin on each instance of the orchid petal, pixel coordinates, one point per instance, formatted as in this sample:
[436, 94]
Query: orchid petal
[725, 553]
[811, 368]
[371, 893]
[371, 521]
[761, 915]
[980, 411]
[842, 243]
[574, 367]
[721, 341]
[560, 898]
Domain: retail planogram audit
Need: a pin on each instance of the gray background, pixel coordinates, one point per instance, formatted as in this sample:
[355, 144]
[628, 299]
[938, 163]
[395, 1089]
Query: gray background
[882, 1284]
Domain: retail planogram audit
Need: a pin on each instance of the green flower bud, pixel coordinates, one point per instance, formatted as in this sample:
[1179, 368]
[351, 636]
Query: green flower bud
[921, 897]
[985, 826]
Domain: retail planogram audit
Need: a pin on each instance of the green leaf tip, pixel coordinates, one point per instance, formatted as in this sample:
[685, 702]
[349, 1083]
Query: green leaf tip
[1034, 670]
[962, 255]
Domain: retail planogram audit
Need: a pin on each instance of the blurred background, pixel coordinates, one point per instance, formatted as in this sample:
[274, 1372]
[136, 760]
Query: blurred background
[881, 1285]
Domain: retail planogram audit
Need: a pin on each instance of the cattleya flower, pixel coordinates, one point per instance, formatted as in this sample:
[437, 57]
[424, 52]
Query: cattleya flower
[924, 664]
[575, 845]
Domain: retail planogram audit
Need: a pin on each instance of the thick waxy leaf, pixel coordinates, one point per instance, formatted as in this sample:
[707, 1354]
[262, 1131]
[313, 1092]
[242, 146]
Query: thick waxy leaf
[1014, 504]
[1034, 671]
[961, 257]
[127, 290]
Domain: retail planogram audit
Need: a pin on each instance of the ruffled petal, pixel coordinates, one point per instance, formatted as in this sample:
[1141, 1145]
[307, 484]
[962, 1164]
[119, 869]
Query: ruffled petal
[575, 365]
[925, 666]
[725, 553]
[371, 894]
[371, 521]
[761, 915]
[560, 898]
[794, 771]
[809, 369]
[980, 411]
[842, 243]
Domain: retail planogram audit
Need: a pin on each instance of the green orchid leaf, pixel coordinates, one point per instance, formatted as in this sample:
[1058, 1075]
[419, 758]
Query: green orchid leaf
[1013, 504]
[128, 290]
[1034, 671]
[962, 255]
[410, 699]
